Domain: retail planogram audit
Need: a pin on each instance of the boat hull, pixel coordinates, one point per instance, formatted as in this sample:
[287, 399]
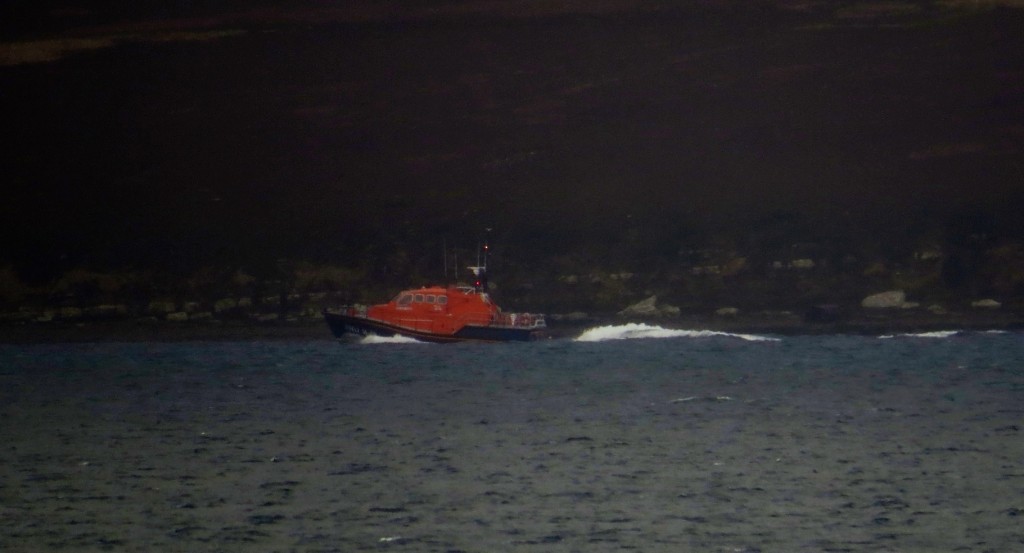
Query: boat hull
[344, 326]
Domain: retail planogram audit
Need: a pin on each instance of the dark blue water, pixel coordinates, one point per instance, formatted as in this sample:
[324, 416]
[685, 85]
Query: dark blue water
[715, 351]
[687, 441]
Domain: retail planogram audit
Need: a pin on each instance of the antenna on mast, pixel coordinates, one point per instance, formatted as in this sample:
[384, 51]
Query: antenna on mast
[480, 270]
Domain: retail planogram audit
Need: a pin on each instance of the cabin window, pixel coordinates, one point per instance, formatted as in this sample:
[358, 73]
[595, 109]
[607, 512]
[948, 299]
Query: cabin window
[443, 300]
[431, 298]
[419, 298]
[404, 299]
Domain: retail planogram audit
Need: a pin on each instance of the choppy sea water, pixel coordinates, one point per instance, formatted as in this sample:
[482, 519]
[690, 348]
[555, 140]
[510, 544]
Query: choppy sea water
[626, 437]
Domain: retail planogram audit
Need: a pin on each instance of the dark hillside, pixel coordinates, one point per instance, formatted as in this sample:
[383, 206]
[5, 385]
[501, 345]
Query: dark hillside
[617, 140]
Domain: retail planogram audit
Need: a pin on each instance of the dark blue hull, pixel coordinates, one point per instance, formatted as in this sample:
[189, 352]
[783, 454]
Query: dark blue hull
[495, 334]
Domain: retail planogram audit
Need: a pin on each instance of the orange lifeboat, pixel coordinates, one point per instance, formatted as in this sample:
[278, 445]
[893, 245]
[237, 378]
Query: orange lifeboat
[438, 314]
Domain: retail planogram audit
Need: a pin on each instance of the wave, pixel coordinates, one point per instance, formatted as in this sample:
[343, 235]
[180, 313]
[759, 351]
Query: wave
[942, 333]
[374, 339]
[640, 330]
[932, 334]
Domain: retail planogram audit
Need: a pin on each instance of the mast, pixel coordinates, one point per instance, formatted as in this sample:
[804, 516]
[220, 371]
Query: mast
[480, 269]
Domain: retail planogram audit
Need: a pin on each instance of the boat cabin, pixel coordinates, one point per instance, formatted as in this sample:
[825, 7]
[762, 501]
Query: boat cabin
[436, 309]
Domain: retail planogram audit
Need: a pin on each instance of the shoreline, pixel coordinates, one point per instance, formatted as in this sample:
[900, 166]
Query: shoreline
[315, 329]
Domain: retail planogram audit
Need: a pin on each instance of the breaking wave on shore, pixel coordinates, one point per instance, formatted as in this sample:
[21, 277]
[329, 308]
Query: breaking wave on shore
[640, 330]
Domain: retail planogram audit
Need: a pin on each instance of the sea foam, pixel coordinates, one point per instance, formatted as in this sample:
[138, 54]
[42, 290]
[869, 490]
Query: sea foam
[374, 339]
[640, 330]
[932, 334]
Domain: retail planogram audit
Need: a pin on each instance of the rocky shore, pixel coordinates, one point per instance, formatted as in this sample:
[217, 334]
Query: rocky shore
[311, 326]
[713, 289]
